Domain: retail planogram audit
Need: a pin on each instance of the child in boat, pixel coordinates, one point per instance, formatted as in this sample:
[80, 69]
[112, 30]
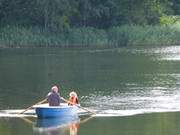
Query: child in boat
[73, 98]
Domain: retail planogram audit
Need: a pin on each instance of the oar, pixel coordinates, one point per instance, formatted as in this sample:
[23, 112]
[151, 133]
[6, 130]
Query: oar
[78, 106]
[40, 102]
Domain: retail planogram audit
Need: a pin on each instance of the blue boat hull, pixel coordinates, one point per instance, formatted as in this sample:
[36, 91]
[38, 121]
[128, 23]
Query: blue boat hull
[59, 111]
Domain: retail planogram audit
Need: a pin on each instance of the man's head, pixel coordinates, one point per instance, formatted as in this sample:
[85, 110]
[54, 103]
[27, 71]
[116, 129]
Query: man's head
[54, 89]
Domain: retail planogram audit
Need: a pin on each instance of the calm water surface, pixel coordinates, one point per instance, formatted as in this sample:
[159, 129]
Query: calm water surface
[136, 91]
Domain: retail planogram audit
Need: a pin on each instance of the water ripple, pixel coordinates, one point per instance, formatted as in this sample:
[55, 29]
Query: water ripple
[138, 101]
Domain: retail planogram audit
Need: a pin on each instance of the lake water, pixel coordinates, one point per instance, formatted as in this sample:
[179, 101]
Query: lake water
[135, 91]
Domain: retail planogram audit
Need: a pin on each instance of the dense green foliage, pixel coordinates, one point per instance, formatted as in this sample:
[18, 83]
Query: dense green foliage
[84, 22]
[62, 14]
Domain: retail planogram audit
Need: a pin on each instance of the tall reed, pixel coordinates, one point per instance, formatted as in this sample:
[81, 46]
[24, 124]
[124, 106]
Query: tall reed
[16, 36]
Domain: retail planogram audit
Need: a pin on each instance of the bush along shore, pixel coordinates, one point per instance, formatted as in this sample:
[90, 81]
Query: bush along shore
[18, 36]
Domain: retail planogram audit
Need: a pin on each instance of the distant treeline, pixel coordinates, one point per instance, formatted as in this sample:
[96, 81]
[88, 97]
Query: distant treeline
[88, 22]
[63, 14]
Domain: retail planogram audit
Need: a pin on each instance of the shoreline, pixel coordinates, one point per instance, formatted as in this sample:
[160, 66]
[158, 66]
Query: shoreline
[84, 48]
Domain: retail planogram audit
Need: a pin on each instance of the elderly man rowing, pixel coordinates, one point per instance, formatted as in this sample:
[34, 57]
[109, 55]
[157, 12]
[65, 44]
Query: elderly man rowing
[53, 97]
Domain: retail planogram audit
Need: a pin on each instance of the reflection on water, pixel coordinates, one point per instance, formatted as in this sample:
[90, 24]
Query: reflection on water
[73, 129]
[57, 126]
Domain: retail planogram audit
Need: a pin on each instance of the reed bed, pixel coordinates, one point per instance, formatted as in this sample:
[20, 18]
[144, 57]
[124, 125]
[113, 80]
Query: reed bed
[18, 36]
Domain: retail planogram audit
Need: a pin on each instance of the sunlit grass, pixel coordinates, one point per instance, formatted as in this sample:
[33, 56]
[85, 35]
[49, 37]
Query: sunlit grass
[13, 36]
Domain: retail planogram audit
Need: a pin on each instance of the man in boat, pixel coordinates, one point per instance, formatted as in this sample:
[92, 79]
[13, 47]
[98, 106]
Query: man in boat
[73, 98]
[53, 97]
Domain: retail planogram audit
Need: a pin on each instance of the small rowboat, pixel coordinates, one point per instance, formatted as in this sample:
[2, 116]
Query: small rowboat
[64, 110]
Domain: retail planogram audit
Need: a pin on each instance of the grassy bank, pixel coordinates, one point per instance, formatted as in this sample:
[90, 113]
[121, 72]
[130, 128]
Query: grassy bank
[91, 37]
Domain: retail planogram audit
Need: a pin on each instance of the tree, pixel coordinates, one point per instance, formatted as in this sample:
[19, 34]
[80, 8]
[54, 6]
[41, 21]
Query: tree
[176, 6]
[55, 13]
[59, 15]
